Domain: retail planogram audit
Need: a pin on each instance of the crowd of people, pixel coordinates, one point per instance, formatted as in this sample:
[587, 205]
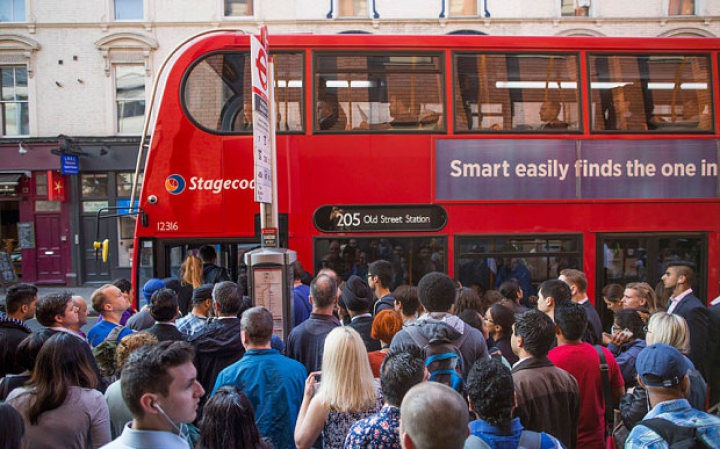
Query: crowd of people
[432, 366]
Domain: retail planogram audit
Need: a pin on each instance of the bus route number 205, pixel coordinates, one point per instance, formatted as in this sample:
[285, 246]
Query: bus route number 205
[167, 226]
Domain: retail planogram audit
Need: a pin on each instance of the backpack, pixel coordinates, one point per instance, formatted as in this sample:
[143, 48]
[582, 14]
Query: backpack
[677, 437]
[219, 274]
[442, 358]
[528, 440]
[105, 355]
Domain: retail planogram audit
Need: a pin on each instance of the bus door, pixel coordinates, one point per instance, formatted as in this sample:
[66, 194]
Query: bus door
[163, 258]
[628, 258]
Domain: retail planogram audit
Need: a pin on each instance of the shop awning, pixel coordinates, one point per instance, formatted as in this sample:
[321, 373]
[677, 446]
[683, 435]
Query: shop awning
[9, 182]
[10, 179]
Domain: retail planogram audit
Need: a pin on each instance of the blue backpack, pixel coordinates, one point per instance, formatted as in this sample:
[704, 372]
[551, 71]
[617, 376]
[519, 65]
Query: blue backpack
[442, 358]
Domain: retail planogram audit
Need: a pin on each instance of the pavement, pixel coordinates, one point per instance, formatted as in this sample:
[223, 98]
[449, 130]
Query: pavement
[85, 291]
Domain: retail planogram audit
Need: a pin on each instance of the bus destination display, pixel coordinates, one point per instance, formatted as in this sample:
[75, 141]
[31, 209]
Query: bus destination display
[390, 218]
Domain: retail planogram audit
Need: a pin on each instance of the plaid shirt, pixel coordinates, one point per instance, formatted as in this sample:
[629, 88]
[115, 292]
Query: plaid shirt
[190, 324]
[680, 413]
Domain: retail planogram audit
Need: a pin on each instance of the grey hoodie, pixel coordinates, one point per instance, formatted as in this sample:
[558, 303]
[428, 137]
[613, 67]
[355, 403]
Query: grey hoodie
[434, 325]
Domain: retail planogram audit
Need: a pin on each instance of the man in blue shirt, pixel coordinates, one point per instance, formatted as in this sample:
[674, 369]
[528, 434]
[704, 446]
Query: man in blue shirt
[301, 296]
[110, 303]
[274, 383]
[399, 372]
[662, 370]
[491, 394]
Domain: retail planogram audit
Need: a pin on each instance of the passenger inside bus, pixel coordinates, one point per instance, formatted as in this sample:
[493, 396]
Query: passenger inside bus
[330, 115]
[403, 116]
[549, 112]
[626, 118]
[247, 116]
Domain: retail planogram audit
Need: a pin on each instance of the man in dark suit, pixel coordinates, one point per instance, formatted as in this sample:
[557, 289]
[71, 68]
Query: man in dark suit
[713, 352]
[219, 344]
[576, 280]
[678, 279]
[358, 299]
[164, 309]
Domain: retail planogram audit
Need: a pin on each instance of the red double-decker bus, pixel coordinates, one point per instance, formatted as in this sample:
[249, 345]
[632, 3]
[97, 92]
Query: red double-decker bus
[482, 157]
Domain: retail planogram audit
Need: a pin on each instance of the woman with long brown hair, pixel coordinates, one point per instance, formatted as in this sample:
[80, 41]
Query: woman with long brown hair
[59, 404]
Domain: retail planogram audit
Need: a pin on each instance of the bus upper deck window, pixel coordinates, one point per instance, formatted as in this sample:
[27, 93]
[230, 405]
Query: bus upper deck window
[516, 93]
[369, 92]
[217, 93]
[651, 93]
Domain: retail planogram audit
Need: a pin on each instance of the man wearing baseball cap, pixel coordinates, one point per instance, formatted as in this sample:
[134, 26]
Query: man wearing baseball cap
[202, 304]
[662, 371]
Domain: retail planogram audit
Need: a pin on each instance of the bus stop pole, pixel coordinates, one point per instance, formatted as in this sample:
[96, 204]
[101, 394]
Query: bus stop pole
[269, 211]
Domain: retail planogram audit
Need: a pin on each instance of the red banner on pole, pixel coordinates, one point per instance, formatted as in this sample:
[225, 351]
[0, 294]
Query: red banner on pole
[57, 186]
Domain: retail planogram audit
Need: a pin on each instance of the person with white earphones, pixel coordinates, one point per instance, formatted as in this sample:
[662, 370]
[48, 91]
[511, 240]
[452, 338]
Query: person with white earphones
[160, 387]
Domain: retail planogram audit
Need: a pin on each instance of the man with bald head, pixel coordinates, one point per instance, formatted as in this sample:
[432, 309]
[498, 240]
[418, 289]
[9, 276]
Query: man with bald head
[110, 303]
[433, 416]
[82, 308]
[306, 341]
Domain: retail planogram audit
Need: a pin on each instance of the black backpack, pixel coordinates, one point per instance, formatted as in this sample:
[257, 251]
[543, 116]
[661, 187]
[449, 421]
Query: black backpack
[677, 437]
[442, 358]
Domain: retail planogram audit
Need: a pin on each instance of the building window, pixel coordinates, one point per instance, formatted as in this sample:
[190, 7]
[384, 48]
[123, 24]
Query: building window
[94, 185]
[126, 224]
[238, 8]
[124, 183]
[14, 101]
[48, 206]
[575, 7]
[12, 10]
[352, 8]
[129, 10]
[130, 98]
[41, 184]
[681, 7]
[462, 7]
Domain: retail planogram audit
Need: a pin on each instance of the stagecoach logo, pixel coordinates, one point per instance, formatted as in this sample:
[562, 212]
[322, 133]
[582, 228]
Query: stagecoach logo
[175, 184]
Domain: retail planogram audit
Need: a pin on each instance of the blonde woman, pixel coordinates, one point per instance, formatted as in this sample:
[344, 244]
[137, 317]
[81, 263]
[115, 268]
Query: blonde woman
[191, 277]
[641, 296]
[346, 394]
[672, 330]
